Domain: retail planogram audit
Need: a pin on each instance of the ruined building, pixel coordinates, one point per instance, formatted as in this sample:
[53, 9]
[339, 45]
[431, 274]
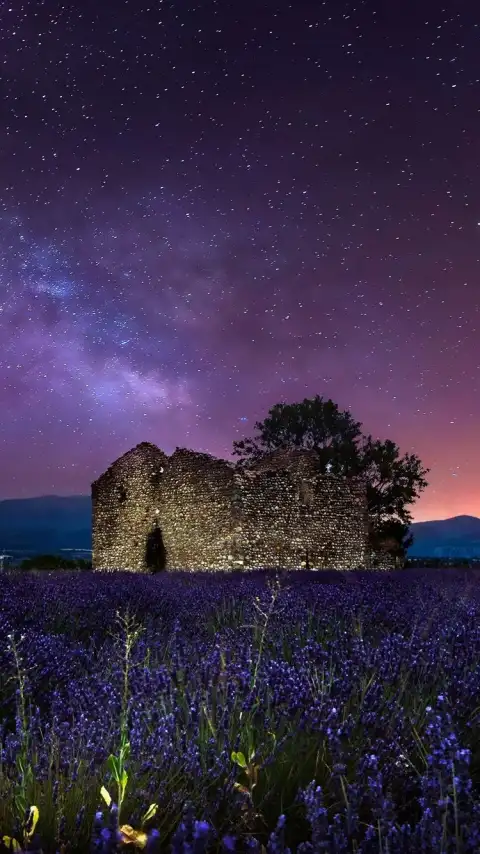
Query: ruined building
[193, 511]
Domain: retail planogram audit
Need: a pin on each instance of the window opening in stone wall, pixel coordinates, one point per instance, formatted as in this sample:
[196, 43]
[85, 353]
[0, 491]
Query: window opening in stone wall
[122, 494]
[155, 551]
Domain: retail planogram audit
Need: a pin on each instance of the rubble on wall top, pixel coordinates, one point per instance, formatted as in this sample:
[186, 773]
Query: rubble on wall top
[142, 446]
[288, 458]
[199, 456]
[189, 453]
[146, 445]
[299, 461]
[179, 454]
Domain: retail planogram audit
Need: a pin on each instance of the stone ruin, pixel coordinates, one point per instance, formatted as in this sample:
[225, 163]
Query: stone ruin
[194, 511]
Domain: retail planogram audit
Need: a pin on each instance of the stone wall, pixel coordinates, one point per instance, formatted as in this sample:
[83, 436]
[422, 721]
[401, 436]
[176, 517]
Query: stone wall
[193, 511]
[124, 504]
[196, 511]
[289, 516]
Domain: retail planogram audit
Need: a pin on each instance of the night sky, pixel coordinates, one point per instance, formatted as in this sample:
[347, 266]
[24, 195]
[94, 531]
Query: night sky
[207, 208]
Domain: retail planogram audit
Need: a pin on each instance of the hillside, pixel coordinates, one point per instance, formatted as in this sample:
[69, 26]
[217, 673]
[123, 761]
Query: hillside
[45, 524]
[455, 537]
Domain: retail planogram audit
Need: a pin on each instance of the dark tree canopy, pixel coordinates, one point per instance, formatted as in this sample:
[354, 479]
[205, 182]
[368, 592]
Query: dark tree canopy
[314, 424]
[394, 482]
[392, 536]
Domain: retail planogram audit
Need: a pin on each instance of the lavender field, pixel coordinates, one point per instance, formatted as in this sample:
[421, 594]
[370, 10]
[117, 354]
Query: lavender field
[230, 713]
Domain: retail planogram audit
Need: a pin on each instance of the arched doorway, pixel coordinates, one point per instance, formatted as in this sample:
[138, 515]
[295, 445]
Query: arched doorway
[155, 551]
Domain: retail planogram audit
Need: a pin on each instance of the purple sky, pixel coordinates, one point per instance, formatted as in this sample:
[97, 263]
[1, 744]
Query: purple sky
[210, 207]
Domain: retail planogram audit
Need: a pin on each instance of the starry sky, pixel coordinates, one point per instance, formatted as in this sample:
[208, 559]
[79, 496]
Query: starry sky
[210, 207]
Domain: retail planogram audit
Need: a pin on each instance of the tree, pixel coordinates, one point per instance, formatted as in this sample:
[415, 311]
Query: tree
[394, 538]
[393, 482]
[311, 425]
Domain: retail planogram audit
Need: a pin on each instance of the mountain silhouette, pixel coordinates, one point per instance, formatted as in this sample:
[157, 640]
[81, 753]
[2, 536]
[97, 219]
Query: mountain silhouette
[455, 537]
[47, 524]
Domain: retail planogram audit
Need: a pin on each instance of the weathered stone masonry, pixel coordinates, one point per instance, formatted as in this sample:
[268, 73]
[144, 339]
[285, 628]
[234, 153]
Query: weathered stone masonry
[193, 511]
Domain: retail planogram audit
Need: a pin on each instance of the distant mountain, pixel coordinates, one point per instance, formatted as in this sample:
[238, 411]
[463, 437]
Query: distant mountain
[53, 523]
[455, 537]
[47, 524]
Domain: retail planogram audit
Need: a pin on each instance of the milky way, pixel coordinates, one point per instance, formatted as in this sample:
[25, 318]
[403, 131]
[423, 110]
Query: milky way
[208, 208]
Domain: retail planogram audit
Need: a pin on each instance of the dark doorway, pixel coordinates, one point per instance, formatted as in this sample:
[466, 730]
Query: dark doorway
[155, 552]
